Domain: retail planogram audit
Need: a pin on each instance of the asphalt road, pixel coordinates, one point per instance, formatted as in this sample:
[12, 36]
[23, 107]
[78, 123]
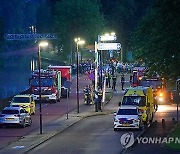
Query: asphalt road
[91, 135]
[167, 112]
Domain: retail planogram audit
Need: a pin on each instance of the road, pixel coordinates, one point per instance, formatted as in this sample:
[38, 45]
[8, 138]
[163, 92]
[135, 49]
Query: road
[167, 112]
[91, 135]
[50, 112]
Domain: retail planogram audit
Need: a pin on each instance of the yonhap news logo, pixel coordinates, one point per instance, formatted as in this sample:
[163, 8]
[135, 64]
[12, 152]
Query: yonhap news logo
[127, 140]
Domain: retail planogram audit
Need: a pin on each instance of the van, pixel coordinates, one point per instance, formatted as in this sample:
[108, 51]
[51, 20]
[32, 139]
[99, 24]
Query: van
[143, 98]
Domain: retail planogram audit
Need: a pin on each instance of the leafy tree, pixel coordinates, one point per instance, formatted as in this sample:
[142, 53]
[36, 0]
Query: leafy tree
[78, 18]
[156, 40]
[123, 16]
[44, 20]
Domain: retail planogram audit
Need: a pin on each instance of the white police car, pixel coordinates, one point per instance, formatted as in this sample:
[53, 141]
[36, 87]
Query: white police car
[127, 117]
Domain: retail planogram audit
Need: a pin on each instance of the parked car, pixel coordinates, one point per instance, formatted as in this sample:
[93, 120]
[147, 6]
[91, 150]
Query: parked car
[15, 116]
[24, 101]
[127, 117]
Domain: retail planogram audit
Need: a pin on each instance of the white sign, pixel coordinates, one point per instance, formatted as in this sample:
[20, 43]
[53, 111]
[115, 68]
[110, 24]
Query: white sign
[109, 46]
[107, 38]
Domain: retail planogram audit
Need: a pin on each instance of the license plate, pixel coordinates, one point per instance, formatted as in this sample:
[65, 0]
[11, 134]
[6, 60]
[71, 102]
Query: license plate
[126, 124]
[9, 118]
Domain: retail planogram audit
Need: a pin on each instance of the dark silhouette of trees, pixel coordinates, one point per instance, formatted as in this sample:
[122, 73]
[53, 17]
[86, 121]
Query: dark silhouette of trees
[156, 40]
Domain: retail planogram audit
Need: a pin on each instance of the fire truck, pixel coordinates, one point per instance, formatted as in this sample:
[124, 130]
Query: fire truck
[159, 88]
[138, 73]
[65, 78]
[50, 85]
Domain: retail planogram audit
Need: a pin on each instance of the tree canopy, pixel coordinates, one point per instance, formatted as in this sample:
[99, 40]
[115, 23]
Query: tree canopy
[122, 17]
[156, 40]
[78, 18]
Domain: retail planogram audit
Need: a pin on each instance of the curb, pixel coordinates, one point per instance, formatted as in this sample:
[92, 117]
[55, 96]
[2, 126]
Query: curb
[135, 141]
[63, 129]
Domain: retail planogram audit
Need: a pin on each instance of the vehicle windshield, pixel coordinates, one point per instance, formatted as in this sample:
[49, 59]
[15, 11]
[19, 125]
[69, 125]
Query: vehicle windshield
[21, 99]
[44, 82]
[134, 100]
[151, 83]
[127, 112]
[10, 112]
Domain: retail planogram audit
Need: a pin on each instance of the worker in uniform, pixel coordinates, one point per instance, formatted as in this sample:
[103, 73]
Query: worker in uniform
[114, 78]
[122, 81]
[100, 93]
[87, 95]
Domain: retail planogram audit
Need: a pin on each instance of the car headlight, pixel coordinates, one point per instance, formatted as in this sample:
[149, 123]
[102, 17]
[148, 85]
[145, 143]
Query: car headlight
[161, 99]
[115, 120]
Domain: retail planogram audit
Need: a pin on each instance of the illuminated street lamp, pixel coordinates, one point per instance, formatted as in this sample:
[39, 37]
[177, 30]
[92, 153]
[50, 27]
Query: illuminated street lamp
[41, 44]
[78, 42]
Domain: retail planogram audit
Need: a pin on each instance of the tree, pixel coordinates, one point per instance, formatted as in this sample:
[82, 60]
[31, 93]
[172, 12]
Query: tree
[78, 18]
[44, 18]
[123, 16]
[156, 40]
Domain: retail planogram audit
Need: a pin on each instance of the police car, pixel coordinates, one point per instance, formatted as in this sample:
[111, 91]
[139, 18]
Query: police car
[127, 117]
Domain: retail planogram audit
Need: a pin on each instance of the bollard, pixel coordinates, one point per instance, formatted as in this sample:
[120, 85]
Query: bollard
[173, 120]
[155, 123]
[163, 123]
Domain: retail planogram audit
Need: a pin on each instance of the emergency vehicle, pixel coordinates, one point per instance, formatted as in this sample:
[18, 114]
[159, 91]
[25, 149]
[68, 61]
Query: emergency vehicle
[65, 78]
[138, 73]
[50, 85]
[158, 85]
[142, 97]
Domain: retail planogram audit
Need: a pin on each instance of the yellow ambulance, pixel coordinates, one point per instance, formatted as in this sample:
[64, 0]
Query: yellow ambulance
[143, 98]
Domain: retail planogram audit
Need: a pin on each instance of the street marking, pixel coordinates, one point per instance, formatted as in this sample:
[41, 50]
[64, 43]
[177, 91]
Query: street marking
[18, 147]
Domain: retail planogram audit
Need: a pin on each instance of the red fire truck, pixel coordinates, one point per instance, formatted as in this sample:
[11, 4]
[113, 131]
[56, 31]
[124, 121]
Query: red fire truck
[138, 73]
[65, 78]
[50, 85]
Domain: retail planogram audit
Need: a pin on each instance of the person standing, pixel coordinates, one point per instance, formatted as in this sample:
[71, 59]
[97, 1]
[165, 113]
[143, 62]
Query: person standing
[130, 79]
[114, 78]
[109, 79]
[122, 81]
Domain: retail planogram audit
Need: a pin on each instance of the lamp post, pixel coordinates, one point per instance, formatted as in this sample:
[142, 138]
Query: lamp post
[41, 44]
[78, 42]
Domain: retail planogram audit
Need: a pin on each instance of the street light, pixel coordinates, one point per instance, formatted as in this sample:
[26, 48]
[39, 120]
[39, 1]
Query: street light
[41, 44]
[78, 42]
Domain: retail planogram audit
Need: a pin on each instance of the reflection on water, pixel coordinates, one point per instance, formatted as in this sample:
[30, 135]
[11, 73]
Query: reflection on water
[14, 77]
